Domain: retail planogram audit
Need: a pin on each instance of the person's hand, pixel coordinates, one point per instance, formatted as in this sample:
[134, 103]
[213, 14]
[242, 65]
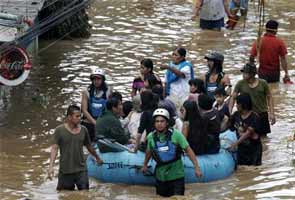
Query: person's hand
[50, 173]
[132, 150]
[272, 118]
[99, 161]
[93, 122]
[198, 172]
[233, 147]
[287, 79]
[164, 66]
[286, 75]
[231, 16]
[144, 169]
[195, 15]
[131, 141]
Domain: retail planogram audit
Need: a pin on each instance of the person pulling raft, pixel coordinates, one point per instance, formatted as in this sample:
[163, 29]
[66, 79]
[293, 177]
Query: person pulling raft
[165, 145]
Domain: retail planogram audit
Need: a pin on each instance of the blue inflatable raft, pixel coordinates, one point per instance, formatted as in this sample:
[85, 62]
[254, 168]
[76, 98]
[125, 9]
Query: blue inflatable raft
[124, 167]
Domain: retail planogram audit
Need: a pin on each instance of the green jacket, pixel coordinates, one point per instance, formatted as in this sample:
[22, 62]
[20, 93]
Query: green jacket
[109, 126]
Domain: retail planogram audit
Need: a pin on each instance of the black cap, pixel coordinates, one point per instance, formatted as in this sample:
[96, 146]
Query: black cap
[215, 56]
[272, 25]
[249, 68]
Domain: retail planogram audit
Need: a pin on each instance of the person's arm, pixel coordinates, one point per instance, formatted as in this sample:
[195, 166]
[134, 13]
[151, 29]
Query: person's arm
[134, 89]
[226, 83]
[148, 155]
[142, 127]
[243, 137]
[109, 91]
[284, 65]
[270, 107]
[197, 8]
[192, 157]
[226, 8]
[53, 154]
[174, 70]
[133, 92]
[94, 154]
[84, 108]
[159, 81]
[224, 123]
[118, 133]
[232, 101]
[137, 142]
[185, 129]
[253, 53]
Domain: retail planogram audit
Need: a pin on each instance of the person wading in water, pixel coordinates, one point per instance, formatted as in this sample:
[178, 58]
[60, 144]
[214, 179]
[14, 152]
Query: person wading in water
[94, 100]
[260, 93]
[272, 55]
[70, 138]
[165, 145]
[215, 77]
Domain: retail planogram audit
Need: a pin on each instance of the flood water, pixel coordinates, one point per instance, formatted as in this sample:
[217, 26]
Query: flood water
[124, 32]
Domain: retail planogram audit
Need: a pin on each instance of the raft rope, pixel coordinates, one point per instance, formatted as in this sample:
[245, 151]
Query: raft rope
[136, 167]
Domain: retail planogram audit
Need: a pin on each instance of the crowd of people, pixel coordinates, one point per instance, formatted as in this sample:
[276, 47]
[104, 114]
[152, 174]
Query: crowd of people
[176, 114]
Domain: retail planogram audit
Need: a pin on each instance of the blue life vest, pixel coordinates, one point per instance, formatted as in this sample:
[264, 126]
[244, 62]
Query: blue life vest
[96, 105]
[211, 87]
[171, 77]
[165, 152]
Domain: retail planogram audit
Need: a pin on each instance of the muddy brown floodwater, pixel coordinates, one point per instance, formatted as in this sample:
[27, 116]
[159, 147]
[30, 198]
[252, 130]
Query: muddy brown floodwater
[124, 32]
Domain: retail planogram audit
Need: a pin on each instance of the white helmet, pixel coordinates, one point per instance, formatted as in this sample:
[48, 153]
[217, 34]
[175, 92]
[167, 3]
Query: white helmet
[97, 72]
[161, 112]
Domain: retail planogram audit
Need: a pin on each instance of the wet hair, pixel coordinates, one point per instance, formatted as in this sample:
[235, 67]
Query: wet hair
[158, 90]
[199, 83]
[152, 80]
[181, 51]
[217, 59]
[217, 65]
[71, 109]
[220, 91]
[147, 63]
[116, 95]
[149, 101]
[103, 87]
[166, 104]
[112, 102]
[244, 100]
[127, 107]
[197, 136]
[192, 111]
[272, 26]
[205, 102]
